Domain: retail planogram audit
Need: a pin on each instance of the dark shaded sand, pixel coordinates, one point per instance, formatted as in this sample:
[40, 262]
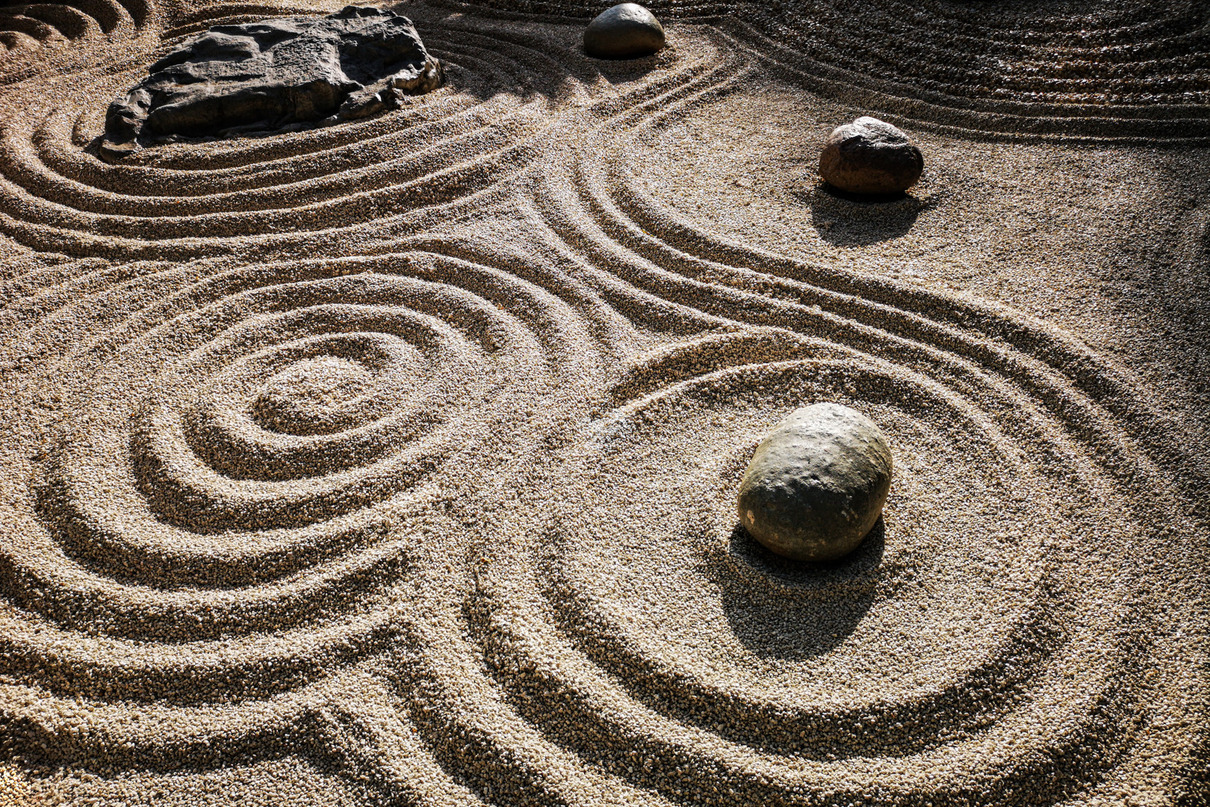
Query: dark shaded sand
[393, 462]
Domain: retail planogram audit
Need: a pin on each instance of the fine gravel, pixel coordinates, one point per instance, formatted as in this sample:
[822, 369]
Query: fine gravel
[394, 462]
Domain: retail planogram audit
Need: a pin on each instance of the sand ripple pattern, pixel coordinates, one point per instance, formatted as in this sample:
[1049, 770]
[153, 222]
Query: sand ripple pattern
[1102, 70]
[657, 646]
[28, 30]
[257, 464]
[453, 516]
[445, 151]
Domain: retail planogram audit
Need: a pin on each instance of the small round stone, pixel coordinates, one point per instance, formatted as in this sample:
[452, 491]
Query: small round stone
[869, 156]
[626, 31]
[817, 483]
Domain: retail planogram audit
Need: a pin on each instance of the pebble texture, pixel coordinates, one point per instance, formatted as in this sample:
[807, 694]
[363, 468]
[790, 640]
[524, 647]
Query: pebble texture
[396, 462]
[626, 31]
[869, 156]
[274, 74]
[816, 485]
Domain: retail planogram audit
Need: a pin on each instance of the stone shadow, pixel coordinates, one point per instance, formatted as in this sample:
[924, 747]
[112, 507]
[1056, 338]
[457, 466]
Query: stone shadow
[853, 220]
[793, 610]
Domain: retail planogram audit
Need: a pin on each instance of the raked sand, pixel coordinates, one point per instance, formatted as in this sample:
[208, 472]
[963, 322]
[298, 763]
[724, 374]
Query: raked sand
[394, 462]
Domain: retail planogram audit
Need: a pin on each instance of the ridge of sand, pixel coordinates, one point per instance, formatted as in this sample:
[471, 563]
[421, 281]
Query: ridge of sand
[394, 462]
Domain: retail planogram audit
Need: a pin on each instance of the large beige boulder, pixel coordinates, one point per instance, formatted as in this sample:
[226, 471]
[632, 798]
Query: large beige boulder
[817, 484]
[626, 31]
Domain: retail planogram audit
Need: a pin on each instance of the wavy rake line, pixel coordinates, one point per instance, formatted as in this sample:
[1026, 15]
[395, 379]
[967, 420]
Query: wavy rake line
[544, 687]
[593, 664]
[75, 204]
[447, 154]
[1133, 72]
[779, 724]
[548, 685]
[123, 592]
[564, 693]
[1011, 115]
[635, 223]
[311, 723]
[655, 675]
[27, 30]
[603, 668]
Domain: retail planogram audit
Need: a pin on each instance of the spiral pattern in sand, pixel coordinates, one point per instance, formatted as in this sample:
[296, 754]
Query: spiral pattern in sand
[258, 461]
[408, 447]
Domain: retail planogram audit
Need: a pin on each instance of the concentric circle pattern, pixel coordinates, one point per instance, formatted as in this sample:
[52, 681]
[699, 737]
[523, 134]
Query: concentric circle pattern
[395, 461]
[727, 670]
[259, 460]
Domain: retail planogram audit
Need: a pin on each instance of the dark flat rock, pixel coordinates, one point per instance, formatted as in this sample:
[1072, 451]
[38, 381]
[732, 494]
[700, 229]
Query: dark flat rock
[274, 75]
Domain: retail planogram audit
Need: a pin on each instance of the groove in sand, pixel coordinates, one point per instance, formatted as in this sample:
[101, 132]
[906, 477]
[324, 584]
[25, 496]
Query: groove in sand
[407, 448]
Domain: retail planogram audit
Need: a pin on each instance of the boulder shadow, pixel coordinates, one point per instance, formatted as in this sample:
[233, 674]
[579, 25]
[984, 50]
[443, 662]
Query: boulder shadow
[854, 220]
[793, 610]
[625, 71]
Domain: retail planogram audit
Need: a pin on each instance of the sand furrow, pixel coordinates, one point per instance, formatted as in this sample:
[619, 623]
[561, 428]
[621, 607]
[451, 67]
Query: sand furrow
[402, 453]
[1103, 71]
[454, 143]
[932, 365]
[28, 30]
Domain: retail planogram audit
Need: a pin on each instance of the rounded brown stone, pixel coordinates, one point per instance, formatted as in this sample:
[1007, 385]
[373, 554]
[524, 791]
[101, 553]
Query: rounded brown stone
[869, 156]
[626, 31]
[816, 484]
